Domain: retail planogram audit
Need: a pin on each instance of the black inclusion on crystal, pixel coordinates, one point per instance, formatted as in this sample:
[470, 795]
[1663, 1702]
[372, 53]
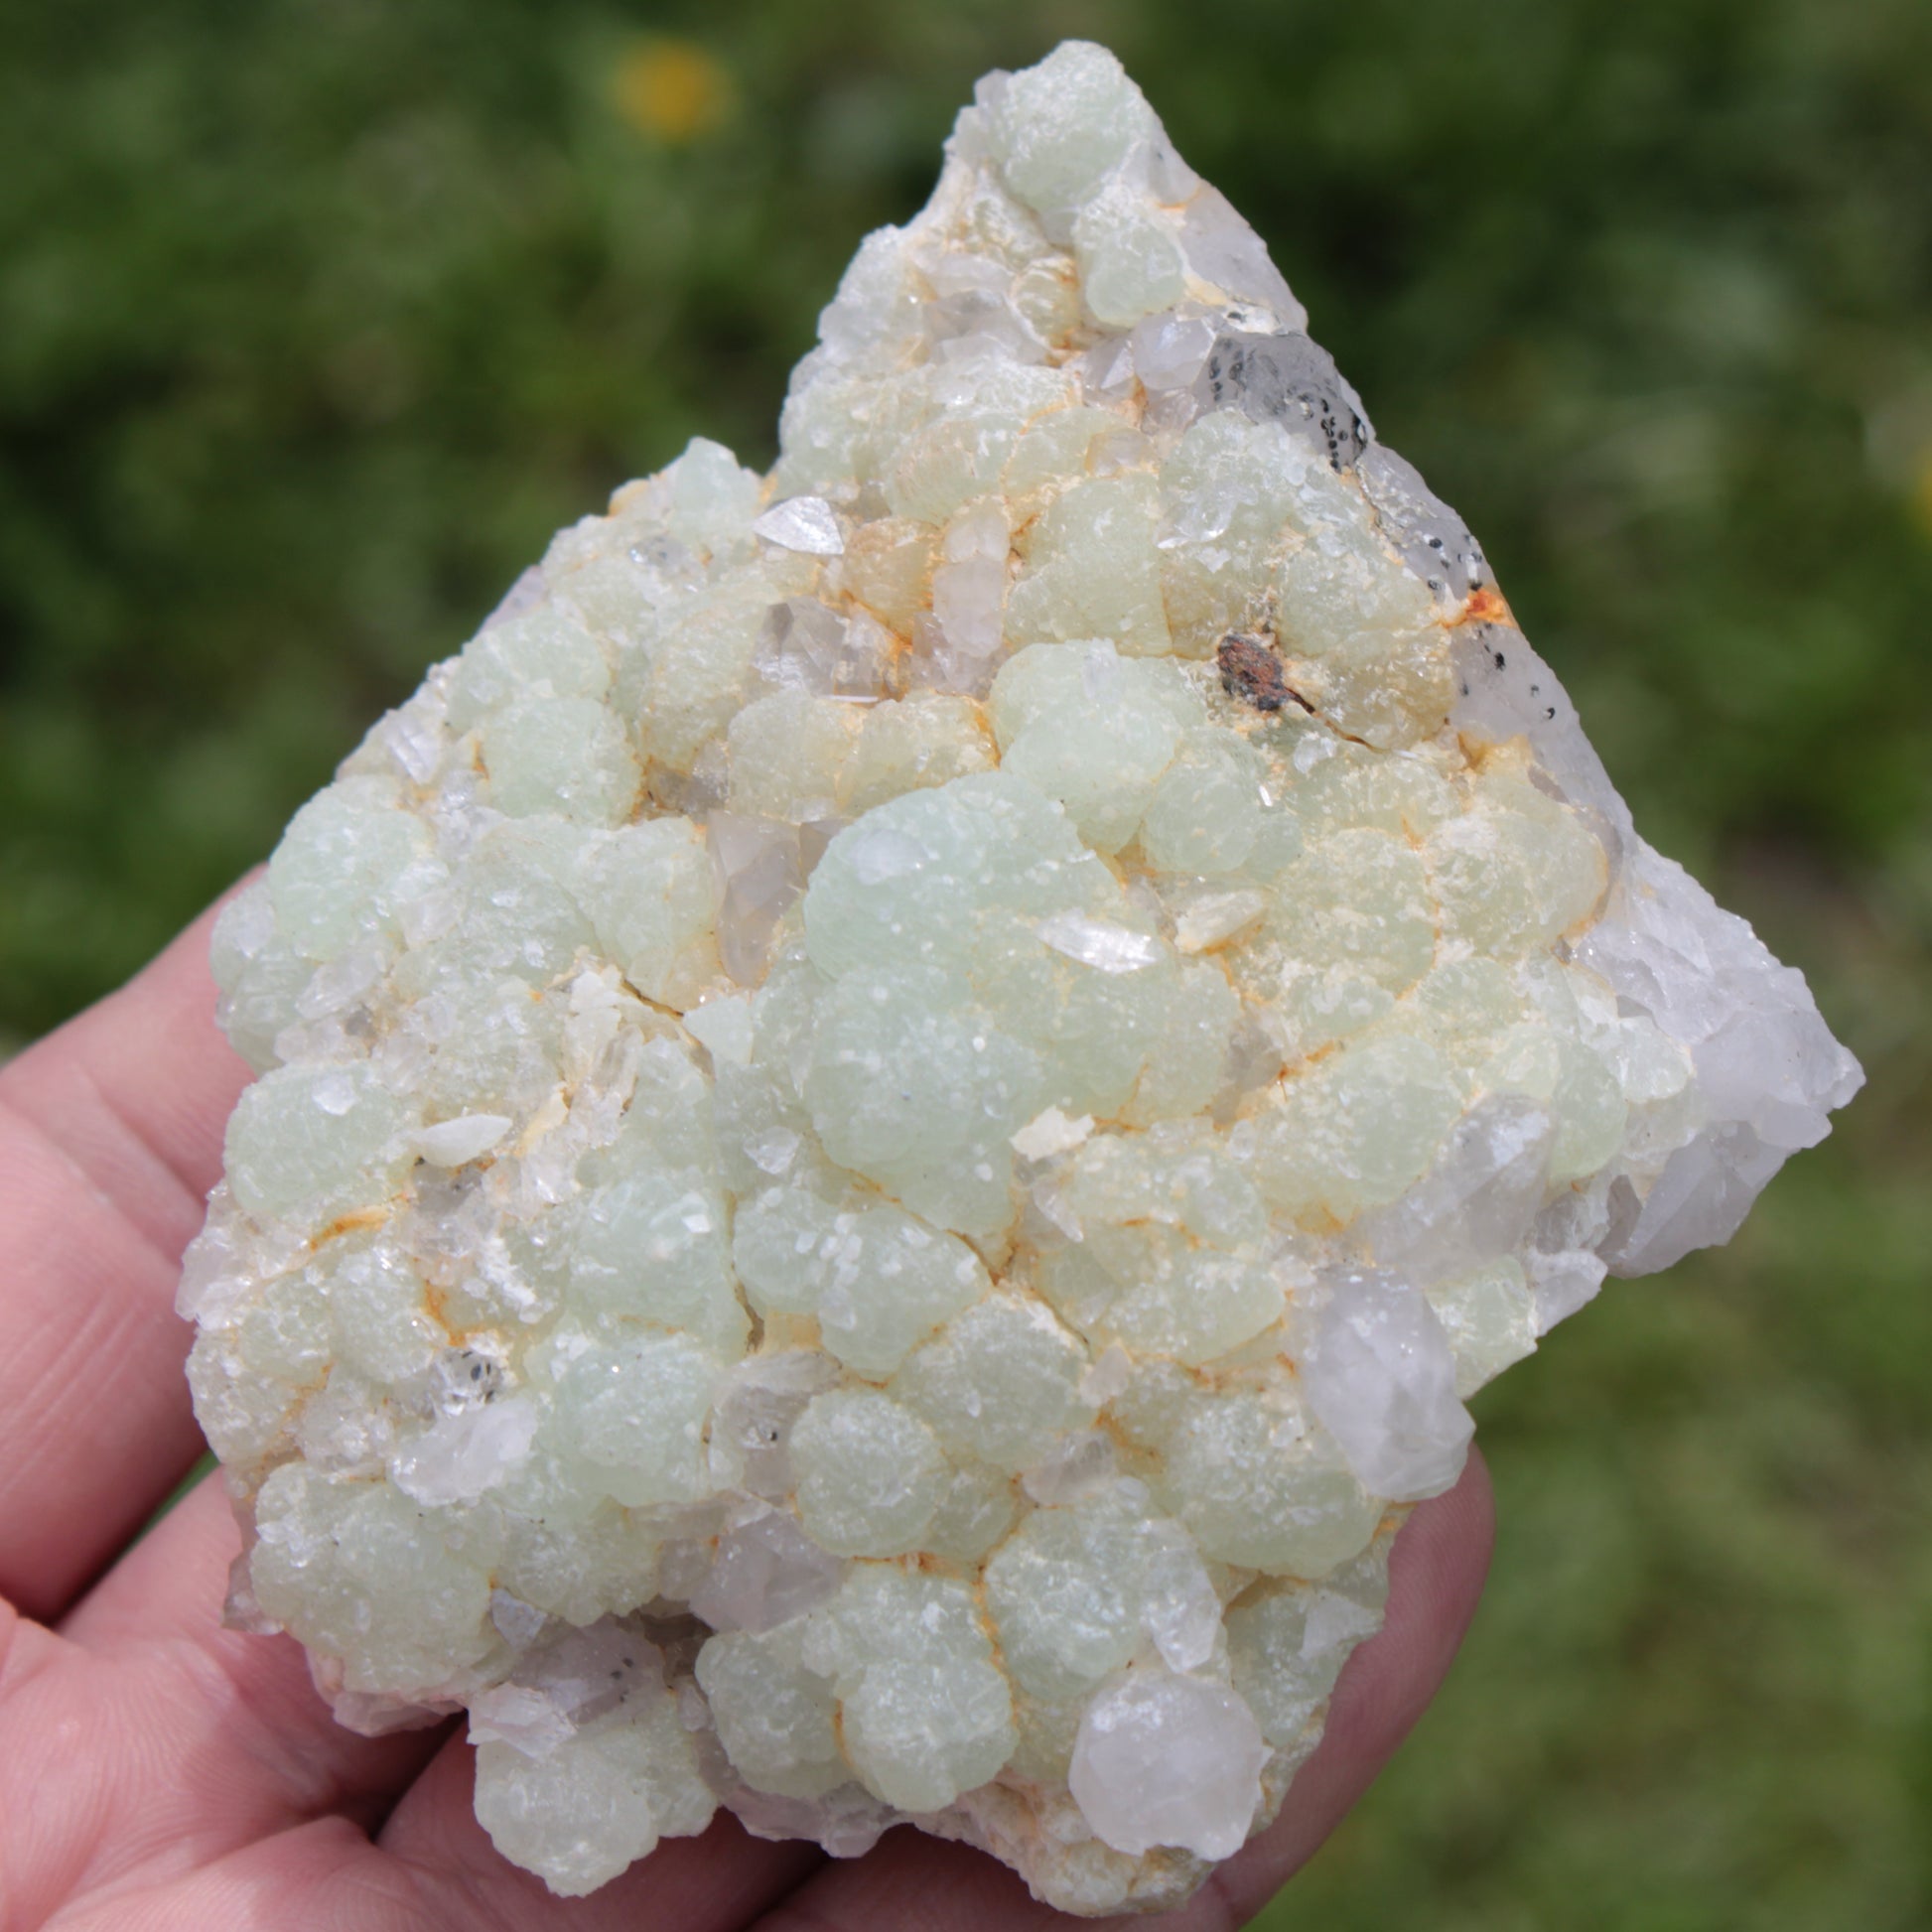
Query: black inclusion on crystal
[1425, 532]
[1289, 380]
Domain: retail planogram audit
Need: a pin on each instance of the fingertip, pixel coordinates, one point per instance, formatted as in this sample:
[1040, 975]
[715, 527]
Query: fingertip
[180, 1076]
[1437, 1571]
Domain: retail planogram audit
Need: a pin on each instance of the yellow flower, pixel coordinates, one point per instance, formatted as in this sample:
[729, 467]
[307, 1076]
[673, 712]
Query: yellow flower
[672, 90]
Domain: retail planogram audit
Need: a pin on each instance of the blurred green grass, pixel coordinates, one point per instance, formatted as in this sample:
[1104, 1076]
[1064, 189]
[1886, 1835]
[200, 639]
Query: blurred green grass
[316, 316]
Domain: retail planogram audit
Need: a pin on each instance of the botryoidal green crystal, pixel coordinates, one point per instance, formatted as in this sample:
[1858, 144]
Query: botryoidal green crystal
[895, 1118]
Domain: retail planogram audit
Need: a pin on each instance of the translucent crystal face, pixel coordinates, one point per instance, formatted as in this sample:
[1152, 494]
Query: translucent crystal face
[896, 1116]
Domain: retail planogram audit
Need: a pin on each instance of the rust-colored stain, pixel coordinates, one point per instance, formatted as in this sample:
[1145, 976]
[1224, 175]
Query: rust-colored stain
[1486, 605]
[363, 1217]
[1252, 672]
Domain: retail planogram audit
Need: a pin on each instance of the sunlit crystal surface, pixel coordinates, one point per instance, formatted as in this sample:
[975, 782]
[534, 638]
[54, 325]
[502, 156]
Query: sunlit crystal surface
[896, 1116]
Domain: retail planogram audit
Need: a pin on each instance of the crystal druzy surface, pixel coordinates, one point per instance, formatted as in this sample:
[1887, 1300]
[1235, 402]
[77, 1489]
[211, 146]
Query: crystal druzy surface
[895, 1118]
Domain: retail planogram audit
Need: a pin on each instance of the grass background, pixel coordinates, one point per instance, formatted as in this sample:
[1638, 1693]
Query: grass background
[316, 316]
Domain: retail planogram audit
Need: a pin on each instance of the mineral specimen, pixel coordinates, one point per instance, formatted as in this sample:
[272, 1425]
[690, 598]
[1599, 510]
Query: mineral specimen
[896, 1115]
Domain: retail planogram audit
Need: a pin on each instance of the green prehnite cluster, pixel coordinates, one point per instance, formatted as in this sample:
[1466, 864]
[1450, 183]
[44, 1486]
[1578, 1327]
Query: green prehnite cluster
[895, 1118]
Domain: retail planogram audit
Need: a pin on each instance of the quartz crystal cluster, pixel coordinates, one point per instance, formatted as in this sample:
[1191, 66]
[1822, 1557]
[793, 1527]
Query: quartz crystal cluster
[895, 1115]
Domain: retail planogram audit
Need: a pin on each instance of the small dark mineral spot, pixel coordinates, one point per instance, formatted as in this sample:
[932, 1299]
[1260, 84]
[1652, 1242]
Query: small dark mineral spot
[1284, 377]
[1252, 672]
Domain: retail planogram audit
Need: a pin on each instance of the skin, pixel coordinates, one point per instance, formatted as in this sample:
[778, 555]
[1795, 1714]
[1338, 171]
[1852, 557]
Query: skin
[160, 1772]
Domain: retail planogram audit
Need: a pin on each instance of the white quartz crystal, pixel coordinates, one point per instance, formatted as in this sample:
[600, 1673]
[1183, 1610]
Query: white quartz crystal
[895, 1118]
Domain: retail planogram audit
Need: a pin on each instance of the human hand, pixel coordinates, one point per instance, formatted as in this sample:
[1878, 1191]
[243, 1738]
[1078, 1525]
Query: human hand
[165, 1773]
